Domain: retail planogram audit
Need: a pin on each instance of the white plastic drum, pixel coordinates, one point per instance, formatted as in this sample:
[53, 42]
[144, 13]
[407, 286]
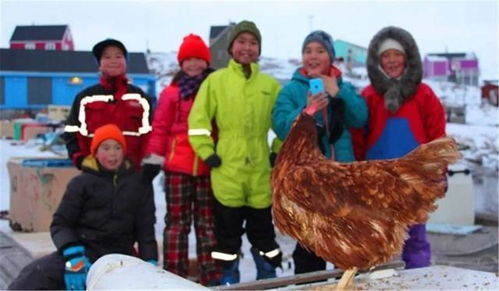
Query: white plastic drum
[125, 272]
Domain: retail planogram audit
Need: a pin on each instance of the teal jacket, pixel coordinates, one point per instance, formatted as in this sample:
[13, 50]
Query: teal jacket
[241, 109]
[292, 99]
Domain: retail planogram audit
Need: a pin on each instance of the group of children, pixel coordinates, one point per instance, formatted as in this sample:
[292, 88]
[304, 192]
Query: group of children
[209, 135]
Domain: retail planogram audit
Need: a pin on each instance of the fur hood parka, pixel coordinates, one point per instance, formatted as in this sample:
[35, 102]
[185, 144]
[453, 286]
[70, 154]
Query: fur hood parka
[395, 91]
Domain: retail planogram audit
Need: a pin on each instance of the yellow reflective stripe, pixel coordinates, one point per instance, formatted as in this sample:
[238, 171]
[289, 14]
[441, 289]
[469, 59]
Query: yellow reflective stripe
[270, 254]
[199, 131]
[223, 256]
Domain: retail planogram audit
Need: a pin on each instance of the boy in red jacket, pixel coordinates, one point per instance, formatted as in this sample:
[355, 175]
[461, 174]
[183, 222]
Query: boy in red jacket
[113, 100]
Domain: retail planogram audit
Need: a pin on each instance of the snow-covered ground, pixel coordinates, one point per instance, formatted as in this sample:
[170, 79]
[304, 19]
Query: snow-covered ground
[479, 138]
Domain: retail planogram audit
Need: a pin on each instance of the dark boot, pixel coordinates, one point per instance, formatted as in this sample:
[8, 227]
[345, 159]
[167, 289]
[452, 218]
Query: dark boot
[264, 270]
[230, 273]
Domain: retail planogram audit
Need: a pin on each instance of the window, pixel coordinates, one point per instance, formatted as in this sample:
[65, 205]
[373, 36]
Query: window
[50, 46]
[39, 90]
[30, 46]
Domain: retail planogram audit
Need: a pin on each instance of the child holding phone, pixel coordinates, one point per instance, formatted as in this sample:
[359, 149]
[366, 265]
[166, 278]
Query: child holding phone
[318, 89]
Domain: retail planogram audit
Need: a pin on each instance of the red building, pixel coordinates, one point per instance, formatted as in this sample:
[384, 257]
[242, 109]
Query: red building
[490, 91]
[42, 37]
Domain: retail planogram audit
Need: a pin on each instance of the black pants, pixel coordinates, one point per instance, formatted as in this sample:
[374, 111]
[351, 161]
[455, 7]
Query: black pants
[306, 261]
[229, 227]
[45, 273]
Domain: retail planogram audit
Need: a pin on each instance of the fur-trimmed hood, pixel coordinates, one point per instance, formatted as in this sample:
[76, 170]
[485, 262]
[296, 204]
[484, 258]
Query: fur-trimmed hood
[395, 91]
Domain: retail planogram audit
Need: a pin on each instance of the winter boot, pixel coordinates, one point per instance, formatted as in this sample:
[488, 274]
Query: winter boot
[230, 273]
[264, 268]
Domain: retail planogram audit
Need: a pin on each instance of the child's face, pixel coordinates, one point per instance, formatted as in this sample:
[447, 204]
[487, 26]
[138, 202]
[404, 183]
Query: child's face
[112, 62]
[245, 48]
[393, 63]
[316, 60]
[110, 154]
[194, 66]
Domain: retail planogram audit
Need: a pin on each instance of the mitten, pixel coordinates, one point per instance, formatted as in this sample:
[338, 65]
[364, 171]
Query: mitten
[76, 268]
[213, 161]
[272, 158]
[337, 122]
[148, 172]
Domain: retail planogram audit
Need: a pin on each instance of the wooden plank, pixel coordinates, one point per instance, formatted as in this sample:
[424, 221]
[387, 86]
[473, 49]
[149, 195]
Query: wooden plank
[299, 278]
[12, 259]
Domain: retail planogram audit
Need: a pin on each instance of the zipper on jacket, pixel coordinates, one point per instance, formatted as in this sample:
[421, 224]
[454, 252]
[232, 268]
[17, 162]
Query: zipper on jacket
[172, 149]
[195, 166]
[115, 190]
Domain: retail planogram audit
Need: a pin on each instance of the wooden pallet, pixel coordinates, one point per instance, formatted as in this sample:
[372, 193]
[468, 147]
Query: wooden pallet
[300, 278]
[13, 258]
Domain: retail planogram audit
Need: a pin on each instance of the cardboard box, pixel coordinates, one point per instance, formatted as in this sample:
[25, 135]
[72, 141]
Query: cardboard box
[18, 127]
[6, 129]
[31, 130]
[58, 112]
[36, 188]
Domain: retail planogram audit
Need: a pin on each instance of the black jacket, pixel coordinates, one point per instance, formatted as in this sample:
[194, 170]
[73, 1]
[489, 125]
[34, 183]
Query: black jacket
[107, 213]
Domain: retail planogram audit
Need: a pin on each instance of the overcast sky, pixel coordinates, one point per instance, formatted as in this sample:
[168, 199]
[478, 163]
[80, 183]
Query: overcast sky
[437, 26]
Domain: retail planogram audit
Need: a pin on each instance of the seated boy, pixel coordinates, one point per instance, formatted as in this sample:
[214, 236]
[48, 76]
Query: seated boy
[105, 209]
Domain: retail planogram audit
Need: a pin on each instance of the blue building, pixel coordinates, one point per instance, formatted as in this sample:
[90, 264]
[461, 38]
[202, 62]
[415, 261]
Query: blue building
[33, 79]
[352, 54]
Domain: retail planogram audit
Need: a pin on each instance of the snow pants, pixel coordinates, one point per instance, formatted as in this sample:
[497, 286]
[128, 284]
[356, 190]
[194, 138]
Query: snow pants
[229, 228]
[45, 273]
[417, 250]
[189, 198]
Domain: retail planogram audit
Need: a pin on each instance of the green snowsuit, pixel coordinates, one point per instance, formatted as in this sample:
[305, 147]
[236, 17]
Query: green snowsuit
[241, 109]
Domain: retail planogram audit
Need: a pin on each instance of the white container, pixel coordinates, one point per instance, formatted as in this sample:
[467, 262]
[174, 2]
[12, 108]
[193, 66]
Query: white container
[118, 272]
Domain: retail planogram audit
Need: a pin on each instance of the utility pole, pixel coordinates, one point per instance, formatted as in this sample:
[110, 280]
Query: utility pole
[311, 22]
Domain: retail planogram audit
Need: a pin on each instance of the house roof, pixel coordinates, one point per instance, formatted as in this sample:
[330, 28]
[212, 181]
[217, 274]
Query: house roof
[215, 31]
[350, 44]
[62, 61]
[454, 55]
[38, 32]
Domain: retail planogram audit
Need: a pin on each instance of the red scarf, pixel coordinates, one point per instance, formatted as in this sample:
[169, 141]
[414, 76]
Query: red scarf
[333, 71]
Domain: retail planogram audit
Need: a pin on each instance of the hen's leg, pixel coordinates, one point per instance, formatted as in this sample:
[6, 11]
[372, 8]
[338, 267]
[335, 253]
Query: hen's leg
[346, 281]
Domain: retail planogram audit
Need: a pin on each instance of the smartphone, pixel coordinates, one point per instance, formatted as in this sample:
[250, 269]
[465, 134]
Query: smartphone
[316, 86]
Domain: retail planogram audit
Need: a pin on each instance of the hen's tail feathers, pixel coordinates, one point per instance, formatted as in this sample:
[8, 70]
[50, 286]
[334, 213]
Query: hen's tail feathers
[425, 168]
[440, 151]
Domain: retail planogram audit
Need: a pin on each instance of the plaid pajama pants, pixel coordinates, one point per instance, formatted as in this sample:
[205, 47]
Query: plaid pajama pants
[189, 197]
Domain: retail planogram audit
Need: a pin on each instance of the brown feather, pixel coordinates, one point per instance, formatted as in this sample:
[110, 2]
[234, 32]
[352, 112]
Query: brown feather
[355, 214]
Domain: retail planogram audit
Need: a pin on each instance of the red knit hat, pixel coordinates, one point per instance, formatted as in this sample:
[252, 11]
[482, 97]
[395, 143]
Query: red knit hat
[108, 131]
[193, 47]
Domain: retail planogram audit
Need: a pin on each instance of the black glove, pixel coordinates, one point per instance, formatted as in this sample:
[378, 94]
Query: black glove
[148, 172]
[337, 122]
[272, 158]
[213, 161]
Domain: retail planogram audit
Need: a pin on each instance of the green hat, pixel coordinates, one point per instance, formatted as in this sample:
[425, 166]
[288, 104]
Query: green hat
[245, 26]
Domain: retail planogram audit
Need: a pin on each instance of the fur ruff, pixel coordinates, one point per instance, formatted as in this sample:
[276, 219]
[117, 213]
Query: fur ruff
[395, 91]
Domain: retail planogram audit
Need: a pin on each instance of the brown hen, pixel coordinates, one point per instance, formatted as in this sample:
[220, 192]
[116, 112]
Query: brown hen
[355, 214]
